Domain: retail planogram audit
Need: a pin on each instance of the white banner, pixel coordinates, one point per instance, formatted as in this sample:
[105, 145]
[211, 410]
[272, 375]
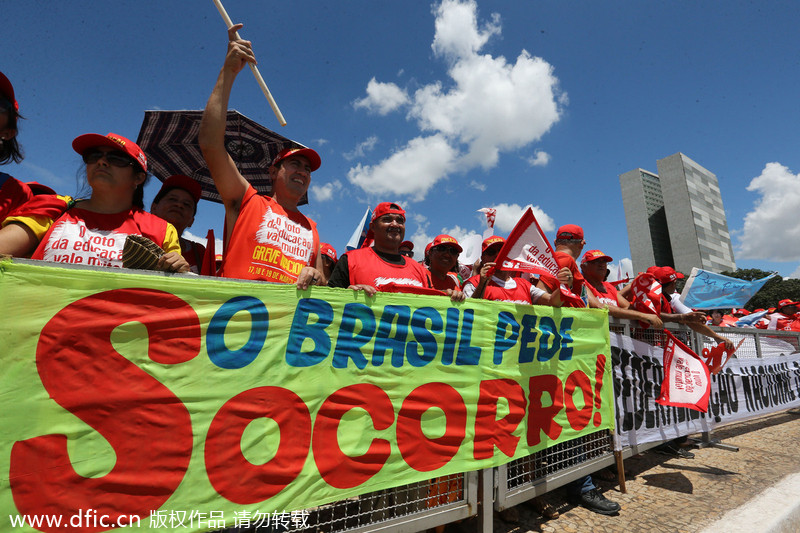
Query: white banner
[744, 389]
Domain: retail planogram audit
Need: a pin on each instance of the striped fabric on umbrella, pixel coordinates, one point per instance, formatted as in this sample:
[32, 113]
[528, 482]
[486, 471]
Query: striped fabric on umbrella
[169, 139]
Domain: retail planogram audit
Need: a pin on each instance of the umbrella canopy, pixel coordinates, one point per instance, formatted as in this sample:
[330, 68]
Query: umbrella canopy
[169, 139]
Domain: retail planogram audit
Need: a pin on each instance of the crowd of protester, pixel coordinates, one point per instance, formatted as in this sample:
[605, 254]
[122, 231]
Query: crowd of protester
[267, 238]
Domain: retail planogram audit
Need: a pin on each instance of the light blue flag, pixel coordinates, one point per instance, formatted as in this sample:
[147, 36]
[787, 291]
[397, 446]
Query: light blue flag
[750, 320]
[360, 233]
[708, 290]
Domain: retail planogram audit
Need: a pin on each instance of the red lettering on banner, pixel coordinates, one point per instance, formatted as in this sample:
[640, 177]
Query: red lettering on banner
[578, 418]
[418, 450]
[491, 432]
[231, 474]
[336, 468]
[147, 426]
[541, 418]
[598, 386]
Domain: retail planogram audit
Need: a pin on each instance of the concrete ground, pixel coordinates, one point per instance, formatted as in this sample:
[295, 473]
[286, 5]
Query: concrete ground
[756, 489]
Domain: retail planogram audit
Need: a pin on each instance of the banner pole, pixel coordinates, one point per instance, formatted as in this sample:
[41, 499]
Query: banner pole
[256, 73]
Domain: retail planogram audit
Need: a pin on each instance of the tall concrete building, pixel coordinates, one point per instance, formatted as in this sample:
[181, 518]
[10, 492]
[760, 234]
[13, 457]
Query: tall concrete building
[676, 217]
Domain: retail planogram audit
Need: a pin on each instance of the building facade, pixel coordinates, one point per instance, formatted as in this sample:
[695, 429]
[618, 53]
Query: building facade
[676, 217]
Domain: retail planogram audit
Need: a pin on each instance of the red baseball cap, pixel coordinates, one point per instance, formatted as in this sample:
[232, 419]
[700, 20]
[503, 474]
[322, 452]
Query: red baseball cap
[112, 140]
[328, 251]
[387, 208]
[494, 239]
[428, 248]
[180, 181]
[569, 231]
[785, 303]
[447, 239]
[407, 244]
[664, 274]
[741, 312]
[593, 255]
[308, 153]
[7, 90]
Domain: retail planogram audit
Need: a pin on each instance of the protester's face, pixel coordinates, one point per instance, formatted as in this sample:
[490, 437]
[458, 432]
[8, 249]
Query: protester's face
[177, 208]
[490, 254]
[110, 171]
[595, 270]
[389, 231]
[443, 257]
[406, 251]
[789, 310]
[293, 176]
[327, 265]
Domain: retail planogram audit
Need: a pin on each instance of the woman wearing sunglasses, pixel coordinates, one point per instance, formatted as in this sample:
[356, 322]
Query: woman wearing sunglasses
[92, 231]
[441, 260]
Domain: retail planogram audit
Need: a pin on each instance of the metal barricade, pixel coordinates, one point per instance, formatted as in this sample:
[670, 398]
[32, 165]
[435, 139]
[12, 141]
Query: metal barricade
[412, 507]
[528, 477]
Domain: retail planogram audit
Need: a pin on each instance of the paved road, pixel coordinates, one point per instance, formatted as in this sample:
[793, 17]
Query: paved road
[671, 495]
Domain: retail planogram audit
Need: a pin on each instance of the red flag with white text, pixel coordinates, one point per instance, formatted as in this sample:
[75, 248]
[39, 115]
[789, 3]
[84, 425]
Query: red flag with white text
[528, 250]
[687, 380]
[647, 296]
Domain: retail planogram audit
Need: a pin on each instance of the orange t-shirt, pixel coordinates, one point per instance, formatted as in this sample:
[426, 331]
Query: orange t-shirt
[269, 243]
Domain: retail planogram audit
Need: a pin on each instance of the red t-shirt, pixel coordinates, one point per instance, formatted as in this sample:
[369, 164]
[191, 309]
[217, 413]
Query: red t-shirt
[365, 267]
[88, 238]
[449, 282]
[519, 294]
[13, 193]
[269, 243]
[608, 296]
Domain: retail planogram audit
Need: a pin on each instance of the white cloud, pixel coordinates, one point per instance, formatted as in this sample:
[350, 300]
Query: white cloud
[202, 240]
[361, 148]
[382, 98]
[770, 230]
[479, 186]
[320, 142]
[323, 193]
[411, 171]
[795, 274]
[627, 269]
[509, 214]
[488, 106]
[539, 159]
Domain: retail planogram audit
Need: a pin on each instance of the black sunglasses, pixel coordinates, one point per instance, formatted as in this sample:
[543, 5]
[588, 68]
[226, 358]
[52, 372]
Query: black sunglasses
[116, 159]
[407, 253]
[452, 250]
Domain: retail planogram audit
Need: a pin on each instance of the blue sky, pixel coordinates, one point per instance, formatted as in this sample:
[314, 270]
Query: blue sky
[446, 107]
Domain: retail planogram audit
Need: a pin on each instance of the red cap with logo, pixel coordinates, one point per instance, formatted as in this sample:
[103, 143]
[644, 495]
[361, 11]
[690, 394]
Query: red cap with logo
[387, 208]
[785, 303]
[308, 153]
[112, 140]
[664, 274]
[569, 232]
[447, 239]
[180, 181]
[328, 251]
[494, 239]
[593, 255]
[7, 90]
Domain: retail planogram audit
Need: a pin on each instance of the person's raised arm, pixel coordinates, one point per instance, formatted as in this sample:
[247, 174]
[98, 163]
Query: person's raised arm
[230, 184]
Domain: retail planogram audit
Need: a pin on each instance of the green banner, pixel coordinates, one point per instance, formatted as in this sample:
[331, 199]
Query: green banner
[161, 397]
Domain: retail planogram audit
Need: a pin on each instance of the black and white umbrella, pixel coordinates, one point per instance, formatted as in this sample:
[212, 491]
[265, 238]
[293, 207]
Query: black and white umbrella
[169, 139]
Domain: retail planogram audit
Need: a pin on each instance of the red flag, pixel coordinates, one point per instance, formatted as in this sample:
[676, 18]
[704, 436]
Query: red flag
[647, 296]
[528, 250]
[209, 266]
[687, 381]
